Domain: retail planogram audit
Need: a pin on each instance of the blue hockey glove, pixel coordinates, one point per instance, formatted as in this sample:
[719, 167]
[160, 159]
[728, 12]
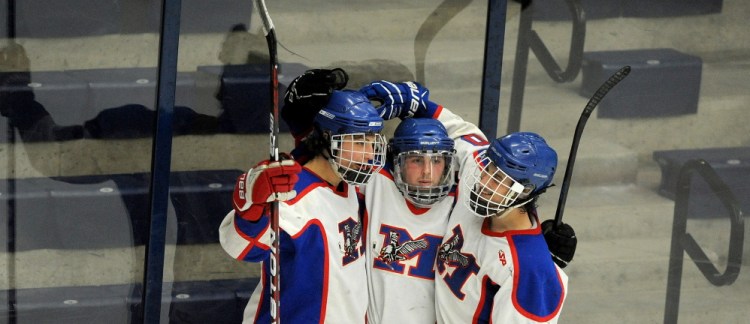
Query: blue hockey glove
[403, 99]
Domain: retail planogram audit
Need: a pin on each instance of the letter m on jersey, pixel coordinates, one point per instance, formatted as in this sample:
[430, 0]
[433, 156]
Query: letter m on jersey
[351, 231]
[454, 266]
[399, 246]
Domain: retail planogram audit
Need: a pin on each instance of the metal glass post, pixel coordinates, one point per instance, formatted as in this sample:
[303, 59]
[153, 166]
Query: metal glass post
[493, 67]
[161, 160]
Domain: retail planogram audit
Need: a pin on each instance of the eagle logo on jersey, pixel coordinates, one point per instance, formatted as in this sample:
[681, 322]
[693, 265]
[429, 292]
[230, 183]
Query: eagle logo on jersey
[453, 266]
[394, 252]
[351, 238]
[450, 253]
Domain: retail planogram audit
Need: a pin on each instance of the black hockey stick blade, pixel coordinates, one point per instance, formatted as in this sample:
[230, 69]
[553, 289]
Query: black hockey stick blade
[593, 102]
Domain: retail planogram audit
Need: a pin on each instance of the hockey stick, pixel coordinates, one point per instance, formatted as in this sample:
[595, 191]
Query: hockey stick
[595, 99]
[274, 152]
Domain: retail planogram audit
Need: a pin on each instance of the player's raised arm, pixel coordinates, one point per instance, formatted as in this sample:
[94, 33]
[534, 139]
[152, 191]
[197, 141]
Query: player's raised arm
[411, 99]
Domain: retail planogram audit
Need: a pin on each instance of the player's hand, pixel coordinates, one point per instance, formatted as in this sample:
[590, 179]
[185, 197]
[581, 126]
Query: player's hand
[402, 99]
[316, 83]
[267, 182]
[306, 95]
[562, 241]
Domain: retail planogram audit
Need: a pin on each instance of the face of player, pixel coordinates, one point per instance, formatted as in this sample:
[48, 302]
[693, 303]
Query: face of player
[424, 169]
[357, 156]
[490, 189]
[358, 150]
[494, 184]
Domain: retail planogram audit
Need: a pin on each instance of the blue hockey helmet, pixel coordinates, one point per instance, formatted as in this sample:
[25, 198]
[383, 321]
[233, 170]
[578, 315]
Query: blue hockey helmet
[348, 112]
[420, 134]
[519, 164]
[526, 158]
[422, 160]
[351, 126]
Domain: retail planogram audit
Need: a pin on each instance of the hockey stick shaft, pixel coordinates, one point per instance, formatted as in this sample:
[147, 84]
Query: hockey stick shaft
[270, 33]
[593, 102]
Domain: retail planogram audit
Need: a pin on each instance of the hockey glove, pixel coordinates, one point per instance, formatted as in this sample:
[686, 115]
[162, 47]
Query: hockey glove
[403, 99]
[306, 95]
[316, 83]
[267, 182]
[561, 241]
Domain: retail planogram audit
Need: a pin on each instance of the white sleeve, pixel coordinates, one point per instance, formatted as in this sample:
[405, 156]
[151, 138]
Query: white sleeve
[230, 239]
[456, 125]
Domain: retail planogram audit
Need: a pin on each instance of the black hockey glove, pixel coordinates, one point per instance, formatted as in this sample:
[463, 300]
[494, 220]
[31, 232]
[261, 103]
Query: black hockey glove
[561, 241]
[316, 85]
[306, 95]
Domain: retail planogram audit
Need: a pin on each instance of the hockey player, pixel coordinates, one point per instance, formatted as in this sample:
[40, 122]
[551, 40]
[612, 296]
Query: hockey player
[459, 259]
[410, 99]
[408, 204]
[407, 215]
[323, 276]
[495, 268]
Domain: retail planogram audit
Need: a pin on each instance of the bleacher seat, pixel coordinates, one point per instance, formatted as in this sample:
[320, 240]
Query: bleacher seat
[120, 103]
[210, 301]
[557, 10]
[662, 82]
[77, 18]
[244, 94]
[732, 165]
[109, 88]
[61, 95]
[105, 211]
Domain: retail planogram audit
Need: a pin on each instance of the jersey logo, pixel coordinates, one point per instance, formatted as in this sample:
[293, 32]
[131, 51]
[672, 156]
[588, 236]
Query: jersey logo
[403, 254]
[501, 256]
[394, 251]
[454, 266]
[352, 232]
[450, 252]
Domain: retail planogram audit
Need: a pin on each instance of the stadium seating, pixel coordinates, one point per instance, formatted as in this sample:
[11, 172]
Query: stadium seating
[212, 301]
[732, 165]
[112, 210]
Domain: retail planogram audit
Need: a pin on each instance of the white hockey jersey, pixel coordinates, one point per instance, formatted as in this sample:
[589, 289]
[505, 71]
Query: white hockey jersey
[519, 281]
[483, 277]
[402, 242]
[458, 267]
[322, 267]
